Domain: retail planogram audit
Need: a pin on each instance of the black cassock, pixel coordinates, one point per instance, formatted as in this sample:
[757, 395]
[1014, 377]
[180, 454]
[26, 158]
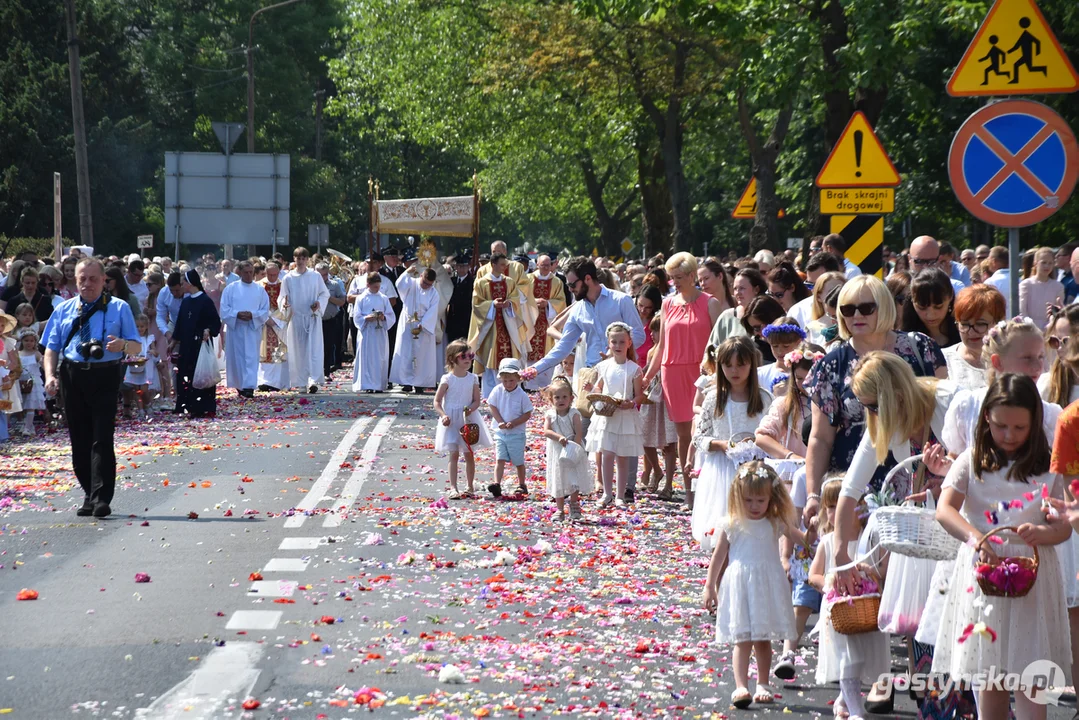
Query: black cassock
[197, 315]
[459, 312]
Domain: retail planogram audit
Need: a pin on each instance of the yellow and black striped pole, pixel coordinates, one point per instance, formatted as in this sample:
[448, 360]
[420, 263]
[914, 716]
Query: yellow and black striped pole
[864, 237]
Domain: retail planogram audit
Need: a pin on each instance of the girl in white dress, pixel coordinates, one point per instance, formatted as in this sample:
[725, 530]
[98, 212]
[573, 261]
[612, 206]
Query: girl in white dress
[850, 660]
[31, 371]
[139, 379]
[783, 336]
[733, 407]
[567, 463]
[1007, 466]
[617, 438]
[752, 595]
[458, 396]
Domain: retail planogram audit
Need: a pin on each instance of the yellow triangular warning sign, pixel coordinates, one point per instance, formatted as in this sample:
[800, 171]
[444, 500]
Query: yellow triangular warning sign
[746, 209]
[858, 159]
[1014, 53]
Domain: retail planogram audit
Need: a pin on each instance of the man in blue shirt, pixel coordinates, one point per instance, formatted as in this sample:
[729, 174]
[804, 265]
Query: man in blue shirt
[956, 271]
[597, 307]
[85, 339]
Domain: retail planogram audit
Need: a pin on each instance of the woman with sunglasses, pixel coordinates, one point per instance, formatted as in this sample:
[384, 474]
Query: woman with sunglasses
[116, 286]
[1061, 384]
[787, 287]
[866, 318]
[977, 308]
[928, 307]
[748, 284]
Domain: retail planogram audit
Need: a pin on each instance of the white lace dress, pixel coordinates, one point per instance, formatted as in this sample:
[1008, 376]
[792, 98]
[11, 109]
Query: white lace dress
[621, 433]
[961, 423]
[1033, 627]
[717, 469]
[563, 477]
[961, 372]
[755, 593]
[837, 652]
[458, 397]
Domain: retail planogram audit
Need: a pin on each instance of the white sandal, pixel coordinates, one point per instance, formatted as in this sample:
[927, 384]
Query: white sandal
[764, 694]
[741, 698]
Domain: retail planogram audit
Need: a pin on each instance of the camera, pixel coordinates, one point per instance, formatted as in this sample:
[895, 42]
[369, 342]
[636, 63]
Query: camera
[91, 349]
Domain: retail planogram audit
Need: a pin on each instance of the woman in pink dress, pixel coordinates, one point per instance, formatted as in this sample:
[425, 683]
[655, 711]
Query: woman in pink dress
[686, 321]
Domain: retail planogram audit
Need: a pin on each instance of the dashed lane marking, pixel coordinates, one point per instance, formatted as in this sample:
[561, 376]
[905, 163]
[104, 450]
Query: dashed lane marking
[286, 565]
[359, 475]
[227, 671]
[333, 467]
[254, 620]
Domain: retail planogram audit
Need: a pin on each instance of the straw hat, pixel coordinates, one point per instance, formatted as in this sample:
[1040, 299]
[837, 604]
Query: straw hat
[7, 323]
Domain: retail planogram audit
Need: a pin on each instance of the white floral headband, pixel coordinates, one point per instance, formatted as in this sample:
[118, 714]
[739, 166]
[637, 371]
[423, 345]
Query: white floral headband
[745, 473]
[996, 330]
[618, 325]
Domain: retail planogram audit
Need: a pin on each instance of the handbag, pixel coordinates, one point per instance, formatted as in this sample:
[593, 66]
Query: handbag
[586, 376]
[655, 390]
[25, 386]
[207, 372]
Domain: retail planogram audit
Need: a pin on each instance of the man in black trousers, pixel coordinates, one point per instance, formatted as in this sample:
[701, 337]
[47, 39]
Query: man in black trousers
[85, 340]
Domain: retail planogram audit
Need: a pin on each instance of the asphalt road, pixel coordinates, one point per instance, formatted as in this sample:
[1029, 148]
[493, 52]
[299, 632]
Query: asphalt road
[371, 584]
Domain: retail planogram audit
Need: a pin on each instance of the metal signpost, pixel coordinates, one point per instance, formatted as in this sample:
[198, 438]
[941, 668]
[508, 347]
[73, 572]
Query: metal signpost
[858, 184]
[1014, 162]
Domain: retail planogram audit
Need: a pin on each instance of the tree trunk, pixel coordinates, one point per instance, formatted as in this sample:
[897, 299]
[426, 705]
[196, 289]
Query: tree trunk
[657, 220]
[765, 230]
[613, 226]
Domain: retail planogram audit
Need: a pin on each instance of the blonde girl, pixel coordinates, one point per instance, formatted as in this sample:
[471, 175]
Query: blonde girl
[24, 314]
[850, 660]
[140, 378]
[567, 463]
[752, 594]
[734, 407]
[1061, 384]
[660, 434]
[1041, 290]
[456, 402]
[1008, 466]
[617, 438]
[32, 364]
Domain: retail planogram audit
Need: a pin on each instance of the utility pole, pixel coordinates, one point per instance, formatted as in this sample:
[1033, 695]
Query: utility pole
[82, 167]
[320, 100]
[251, 71]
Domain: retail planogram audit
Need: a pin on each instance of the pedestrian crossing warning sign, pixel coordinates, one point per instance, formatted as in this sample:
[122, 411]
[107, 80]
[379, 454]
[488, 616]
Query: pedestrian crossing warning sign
[858, 159]
[746, 209]
[1014, 53]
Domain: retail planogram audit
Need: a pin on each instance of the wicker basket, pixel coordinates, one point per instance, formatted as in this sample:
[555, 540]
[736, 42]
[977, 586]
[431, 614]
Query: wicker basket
[857, 614]
[603, 405]
[911, 530]
[1026, 564]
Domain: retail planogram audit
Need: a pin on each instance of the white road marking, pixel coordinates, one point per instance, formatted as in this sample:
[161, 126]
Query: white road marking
[273, 588]
[300, 543]
[254, 620]
[359, 475]
[228, 671]
[333, 467]
[286, 565]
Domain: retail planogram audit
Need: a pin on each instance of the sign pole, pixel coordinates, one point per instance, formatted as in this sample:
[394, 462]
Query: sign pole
[1014, 268]
[57, 219]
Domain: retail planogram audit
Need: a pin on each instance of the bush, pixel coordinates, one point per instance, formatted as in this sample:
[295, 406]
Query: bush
[11, 247]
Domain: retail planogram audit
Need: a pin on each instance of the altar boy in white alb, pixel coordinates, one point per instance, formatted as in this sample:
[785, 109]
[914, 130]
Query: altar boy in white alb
[307, 296]
[245, 307]
[373, 316]
[415, 359]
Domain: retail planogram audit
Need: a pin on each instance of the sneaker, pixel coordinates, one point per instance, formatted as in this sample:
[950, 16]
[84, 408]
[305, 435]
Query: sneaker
[784, 669]
[606, 502]
[629, 495]
[619, 503]
[313, 389]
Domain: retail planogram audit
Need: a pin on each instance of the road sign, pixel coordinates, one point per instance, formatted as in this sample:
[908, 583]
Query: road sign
[1013, 163]
[145, 241]
[840, 201]
[318, 235]
[746, 209]
[627, 247]
[794, 243]
[864, 235]
[227, 134]
[858, 159]
[1014, 53]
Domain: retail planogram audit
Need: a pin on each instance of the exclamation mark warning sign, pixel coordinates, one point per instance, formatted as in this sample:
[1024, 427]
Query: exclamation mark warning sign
[858, 159]
[858, 137]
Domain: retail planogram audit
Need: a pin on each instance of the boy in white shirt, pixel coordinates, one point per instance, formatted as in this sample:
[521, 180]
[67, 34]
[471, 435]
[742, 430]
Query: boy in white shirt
[511, 409]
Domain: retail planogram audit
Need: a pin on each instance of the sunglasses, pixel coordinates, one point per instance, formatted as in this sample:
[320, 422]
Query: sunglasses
[865, 309]
[872, 408]
[776, 295]
[467, 356]
[925, 262]
[1057, 342]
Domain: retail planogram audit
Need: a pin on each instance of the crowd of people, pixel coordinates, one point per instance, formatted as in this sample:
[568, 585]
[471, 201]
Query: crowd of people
[777, 391]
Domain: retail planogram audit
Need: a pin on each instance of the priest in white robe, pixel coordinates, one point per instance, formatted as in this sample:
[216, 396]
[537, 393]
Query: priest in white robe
[306, 296]
[373, 317]
[245, 307]
[415, 358]
[273, 352]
